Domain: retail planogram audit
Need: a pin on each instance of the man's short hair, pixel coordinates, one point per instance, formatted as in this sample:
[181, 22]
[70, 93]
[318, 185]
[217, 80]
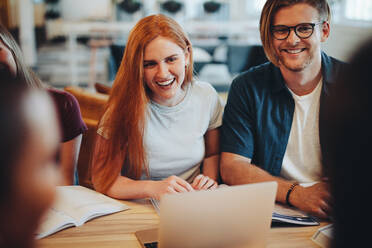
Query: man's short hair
[269, 10]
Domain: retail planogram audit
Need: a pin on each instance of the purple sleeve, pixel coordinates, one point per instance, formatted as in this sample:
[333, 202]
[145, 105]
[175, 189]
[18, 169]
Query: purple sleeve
[68, 112]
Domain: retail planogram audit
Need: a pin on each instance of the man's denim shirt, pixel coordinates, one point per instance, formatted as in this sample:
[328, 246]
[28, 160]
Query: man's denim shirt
[259, 111]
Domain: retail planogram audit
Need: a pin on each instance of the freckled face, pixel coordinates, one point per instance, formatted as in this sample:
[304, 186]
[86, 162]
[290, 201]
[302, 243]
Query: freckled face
[164, 70]
[294, 53]
[7, 62]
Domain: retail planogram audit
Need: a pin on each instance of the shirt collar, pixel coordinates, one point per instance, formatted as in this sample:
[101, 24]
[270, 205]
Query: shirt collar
[277, 79]
[327, 69]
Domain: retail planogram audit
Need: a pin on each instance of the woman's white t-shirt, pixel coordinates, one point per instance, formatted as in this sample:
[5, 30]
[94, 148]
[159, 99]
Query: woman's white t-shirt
[174, 136]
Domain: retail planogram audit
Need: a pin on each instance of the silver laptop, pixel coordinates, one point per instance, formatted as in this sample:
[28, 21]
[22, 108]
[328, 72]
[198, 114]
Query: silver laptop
[235, 216]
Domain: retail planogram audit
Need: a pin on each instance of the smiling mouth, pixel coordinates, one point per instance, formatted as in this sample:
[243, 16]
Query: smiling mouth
[293, 51]
[165, 83]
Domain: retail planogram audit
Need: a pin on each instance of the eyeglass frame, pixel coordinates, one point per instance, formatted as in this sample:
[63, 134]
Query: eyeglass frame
[295, 29]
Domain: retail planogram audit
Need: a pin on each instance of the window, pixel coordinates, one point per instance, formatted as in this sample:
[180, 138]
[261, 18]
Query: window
[358, 10]
[252, 8]
[259, 5]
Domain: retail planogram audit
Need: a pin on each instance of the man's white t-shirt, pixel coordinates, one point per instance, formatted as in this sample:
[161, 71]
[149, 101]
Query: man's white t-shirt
[302, 159]
[174, 136]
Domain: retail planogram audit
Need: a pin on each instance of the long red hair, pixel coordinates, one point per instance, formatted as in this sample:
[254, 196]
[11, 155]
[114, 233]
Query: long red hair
[125, 115]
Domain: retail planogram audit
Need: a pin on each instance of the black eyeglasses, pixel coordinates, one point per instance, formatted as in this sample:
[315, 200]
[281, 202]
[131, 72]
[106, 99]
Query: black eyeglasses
[302, 30]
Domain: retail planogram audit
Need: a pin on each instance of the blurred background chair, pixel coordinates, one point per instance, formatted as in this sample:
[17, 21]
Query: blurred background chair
[201, 58]
[117, 52]
[102, 88]
[242, 57]
[95, 44]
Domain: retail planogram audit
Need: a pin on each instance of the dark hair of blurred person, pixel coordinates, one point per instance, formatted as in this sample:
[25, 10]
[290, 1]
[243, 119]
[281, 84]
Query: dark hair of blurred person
[28, 147]
[348, 135]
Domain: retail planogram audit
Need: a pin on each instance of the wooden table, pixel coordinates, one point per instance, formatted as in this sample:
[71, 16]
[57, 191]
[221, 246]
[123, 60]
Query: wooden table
[117, 230]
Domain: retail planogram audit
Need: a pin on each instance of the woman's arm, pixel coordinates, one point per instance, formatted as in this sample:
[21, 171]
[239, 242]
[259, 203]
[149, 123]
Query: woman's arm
[210, 172]
[69, 158]
[126, 188]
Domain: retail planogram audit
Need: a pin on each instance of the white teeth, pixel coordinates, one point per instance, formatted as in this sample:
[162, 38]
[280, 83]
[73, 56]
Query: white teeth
[294, 51]
[165, 83]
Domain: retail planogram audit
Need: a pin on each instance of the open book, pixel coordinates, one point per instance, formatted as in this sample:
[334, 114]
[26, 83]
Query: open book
[285, 214]
[281, 214]
[74, 206]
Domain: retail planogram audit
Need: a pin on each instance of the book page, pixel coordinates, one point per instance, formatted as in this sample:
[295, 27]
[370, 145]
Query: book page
[53, 222]
[283, 213]
[83, 204]
[74, 206]
[285, 210]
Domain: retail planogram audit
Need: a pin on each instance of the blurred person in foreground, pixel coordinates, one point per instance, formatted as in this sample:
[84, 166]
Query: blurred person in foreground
[348, 135]
[72, 125]
[28, 151]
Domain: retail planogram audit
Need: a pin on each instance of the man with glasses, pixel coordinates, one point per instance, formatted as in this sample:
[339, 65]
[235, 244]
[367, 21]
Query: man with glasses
[270, 128]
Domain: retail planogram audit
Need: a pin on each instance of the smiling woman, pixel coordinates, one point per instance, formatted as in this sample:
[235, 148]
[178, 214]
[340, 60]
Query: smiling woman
[164, 66]
[160, 125]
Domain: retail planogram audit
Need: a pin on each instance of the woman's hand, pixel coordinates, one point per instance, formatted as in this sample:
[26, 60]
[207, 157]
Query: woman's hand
[170, 185]
[202, 182]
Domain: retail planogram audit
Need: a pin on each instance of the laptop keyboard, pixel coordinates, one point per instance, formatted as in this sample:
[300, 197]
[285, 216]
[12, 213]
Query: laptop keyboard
[151, 245]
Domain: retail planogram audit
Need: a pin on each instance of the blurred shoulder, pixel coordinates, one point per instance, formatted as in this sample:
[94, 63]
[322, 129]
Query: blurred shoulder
[62, 98]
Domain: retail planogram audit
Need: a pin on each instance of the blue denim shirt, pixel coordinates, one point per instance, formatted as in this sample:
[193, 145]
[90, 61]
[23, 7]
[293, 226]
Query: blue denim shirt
[259, 111]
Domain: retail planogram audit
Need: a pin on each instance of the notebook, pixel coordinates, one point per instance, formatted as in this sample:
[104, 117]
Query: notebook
[236, 216]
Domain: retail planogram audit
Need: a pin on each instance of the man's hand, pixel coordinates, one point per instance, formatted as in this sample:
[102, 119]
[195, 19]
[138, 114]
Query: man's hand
[315, 200]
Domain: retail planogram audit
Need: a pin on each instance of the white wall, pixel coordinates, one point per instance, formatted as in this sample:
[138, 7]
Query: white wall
[76, 10]
[26, 31]
[345, 38]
